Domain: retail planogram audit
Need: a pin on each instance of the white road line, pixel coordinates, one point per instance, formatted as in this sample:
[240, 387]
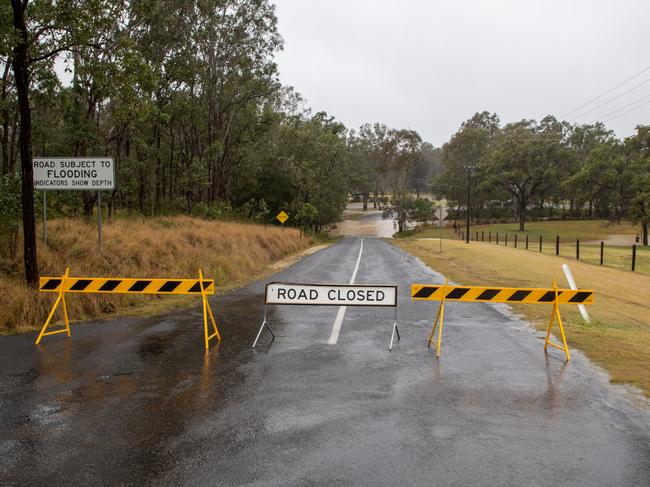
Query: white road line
[334, 337]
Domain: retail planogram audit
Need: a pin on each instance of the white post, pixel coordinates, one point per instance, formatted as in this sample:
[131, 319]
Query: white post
[440, 229]
[572, 285]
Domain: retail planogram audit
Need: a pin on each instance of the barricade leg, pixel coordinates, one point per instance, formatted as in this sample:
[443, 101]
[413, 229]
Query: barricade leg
[59, 299]
[65, 314]
[556, 314]
[207, 311]
[439, 316]
[442, 318]
[435, 324]
[395, 331]
[265, 323]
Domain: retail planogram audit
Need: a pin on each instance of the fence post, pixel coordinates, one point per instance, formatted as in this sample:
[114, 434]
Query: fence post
[489, 237]
[540, 243]
[633, 257]
[497, 238]
[602, 252]
[526, 241]
[578, 249]
[506, 240]
[557, 245]
[482, 236]
[477, 236]
[515, 240]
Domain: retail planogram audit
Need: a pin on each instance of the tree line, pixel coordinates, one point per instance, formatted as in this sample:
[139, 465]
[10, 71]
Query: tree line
[548, 168]
[185, 97]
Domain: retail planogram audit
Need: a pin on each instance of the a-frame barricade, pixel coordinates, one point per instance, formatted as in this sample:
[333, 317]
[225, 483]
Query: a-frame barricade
[552, 296]
[118, 285]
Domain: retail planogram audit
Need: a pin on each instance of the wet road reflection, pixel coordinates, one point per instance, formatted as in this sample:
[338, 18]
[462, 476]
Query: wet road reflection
[138, 401]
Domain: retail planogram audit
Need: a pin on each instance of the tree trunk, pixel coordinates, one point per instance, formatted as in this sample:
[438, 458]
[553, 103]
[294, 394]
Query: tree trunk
[5, 121]
[522, 216]
[645, 233]
[21, 77]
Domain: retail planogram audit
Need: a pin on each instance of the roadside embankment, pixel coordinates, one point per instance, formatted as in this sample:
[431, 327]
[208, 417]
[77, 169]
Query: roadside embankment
[230, 252]
[618, 337]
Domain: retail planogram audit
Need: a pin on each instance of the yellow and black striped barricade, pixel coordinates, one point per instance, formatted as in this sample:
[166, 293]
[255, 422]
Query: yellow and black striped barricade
[495, 294]
[120, 285]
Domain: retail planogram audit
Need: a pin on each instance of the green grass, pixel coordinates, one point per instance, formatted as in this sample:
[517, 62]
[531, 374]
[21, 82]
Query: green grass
[616, 257]
[568, 230]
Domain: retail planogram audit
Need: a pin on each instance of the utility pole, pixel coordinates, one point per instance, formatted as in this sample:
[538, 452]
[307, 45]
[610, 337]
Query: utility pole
[469, 202]
[469, 167]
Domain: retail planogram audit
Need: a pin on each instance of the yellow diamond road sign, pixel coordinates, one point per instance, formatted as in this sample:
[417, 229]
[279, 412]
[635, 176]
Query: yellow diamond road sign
[282, 216]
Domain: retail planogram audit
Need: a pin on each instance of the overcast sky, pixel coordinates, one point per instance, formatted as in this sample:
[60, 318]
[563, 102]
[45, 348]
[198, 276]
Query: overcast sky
[429, 65]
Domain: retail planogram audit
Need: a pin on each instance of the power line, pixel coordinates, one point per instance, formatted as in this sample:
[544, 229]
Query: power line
[606, 92]
[624, 106]
[630, 110]
[611, 100]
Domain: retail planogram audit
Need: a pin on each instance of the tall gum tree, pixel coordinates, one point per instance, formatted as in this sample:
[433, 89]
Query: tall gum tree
[42, 29]
[523, 161]
[638, 150]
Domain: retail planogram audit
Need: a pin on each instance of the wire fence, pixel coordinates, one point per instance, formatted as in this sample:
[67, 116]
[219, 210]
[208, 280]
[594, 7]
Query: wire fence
[634, 258]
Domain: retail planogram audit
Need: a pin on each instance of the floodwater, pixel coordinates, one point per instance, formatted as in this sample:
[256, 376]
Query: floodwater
[357, 223]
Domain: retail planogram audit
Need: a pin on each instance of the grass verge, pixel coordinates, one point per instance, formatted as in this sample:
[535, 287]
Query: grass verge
[618, 338]
[568, 230]
[232, 253]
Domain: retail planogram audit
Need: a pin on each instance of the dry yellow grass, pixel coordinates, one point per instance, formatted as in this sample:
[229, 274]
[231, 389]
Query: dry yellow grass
[164, 247]
[618, 337]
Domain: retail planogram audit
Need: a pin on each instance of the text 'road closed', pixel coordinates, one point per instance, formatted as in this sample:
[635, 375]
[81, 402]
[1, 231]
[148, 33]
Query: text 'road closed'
[335, 295]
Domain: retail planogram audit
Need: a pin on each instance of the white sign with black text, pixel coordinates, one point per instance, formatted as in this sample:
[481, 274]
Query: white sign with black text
[80, 173]
[334, 295]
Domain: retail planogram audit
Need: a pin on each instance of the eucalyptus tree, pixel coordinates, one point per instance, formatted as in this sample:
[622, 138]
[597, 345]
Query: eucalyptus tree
[522, 161]
[463, 159]
[638, 152]
[400, 151]
[597, 181]
[581, 140]
[42, 29]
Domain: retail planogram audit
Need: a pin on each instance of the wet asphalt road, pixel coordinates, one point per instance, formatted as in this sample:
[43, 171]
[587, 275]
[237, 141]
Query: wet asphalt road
[136, 401]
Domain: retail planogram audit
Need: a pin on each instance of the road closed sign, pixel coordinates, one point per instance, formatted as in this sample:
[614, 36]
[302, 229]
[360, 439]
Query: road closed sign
[81, 173]
[334, 295]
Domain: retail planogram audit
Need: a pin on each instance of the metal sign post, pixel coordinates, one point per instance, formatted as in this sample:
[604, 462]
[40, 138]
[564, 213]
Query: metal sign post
[265, 323]
[44, 217]
[99, 218]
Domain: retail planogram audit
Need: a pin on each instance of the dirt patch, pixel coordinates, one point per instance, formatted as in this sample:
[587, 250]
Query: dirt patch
[620, 240]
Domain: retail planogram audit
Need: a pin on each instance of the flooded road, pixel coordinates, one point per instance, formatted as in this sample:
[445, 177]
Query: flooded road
[359, 223]
[138, 402]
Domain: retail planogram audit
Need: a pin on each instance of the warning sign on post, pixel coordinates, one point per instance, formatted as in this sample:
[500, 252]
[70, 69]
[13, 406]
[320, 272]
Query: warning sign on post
[80, 173]
[335, 295]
